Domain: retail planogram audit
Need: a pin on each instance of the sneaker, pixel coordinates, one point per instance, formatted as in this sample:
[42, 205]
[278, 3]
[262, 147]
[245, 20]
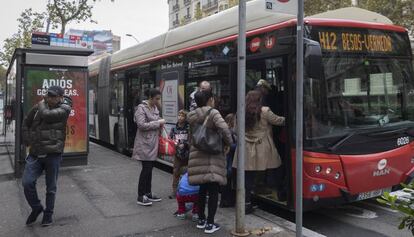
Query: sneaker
[194, 218]
[33, 216]
[201, 224]
[153, 198]
[143, 201]
[181, 216]
[47, 220]
[211, 228]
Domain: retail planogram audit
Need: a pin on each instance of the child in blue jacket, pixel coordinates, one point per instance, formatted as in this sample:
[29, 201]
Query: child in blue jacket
[187, 193]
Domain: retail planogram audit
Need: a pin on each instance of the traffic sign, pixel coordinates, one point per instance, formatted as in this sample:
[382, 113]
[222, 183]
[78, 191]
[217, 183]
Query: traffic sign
[282, 6]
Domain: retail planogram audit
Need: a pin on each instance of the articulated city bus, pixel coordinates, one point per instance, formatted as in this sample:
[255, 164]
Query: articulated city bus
[358, 94]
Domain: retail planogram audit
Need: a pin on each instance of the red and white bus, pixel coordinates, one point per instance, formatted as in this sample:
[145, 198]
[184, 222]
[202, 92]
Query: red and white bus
[358, 94]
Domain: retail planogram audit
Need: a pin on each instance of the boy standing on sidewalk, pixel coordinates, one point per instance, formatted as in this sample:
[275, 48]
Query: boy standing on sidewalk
[180, 135]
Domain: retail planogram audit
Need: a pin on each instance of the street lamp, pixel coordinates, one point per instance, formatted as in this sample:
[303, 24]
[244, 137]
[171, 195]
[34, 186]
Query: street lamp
[130, 35]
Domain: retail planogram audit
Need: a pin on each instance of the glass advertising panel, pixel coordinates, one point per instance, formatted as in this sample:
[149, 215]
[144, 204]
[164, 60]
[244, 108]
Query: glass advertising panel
[10, 109]
[73, 81]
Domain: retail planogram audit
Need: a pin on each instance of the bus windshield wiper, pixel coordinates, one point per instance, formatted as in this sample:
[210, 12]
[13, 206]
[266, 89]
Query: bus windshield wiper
[341, 141]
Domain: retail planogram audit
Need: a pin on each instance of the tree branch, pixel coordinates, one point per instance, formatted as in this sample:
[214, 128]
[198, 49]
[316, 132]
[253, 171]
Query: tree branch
[80, 8]
[58, 11]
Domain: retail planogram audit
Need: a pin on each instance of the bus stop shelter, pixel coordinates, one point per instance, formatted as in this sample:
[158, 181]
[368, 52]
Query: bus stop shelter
[30, 73]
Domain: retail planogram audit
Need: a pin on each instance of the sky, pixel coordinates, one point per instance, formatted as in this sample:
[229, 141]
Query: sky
[144, 19]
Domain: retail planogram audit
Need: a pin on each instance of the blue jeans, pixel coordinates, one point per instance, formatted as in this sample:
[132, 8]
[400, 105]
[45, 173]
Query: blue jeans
[32, 171]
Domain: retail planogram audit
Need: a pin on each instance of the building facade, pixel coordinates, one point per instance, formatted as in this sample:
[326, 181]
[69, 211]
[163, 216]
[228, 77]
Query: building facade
[182, 12]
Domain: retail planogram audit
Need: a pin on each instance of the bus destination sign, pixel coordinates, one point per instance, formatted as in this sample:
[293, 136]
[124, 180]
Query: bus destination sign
[355, 42]
[361, 41]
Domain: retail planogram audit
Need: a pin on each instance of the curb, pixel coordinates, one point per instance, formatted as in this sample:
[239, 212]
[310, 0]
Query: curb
[285, 223]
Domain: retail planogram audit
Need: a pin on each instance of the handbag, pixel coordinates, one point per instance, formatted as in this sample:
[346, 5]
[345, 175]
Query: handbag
[166, 146]
[207, 139]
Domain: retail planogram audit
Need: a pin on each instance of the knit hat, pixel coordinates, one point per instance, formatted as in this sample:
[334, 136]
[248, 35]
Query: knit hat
[55, 91]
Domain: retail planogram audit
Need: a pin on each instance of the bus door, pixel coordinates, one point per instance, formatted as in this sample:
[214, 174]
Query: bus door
[133, 95]
[116, 104]
[93, 106]
[104, 79]
[272, 184]
[137, 81]
[217, 74]
[120, 127]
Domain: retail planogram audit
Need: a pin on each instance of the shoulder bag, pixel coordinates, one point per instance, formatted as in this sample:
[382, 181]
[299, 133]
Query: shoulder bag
[206, 139]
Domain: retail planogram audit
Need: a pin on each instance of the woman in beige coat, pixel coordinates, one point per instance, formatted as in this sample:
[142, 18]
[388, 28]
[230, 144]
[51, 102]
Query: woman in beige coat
[261, 153]
[205, 169]
[147, 118]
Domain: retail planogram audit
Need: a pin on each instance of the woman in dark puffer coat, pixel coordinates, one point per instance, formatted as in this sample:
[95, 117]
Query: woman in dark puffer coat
[205, 169]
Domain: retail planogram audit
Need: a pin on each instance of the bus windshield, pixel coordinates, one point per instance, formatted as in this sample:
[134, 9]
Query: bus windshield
[357, 93]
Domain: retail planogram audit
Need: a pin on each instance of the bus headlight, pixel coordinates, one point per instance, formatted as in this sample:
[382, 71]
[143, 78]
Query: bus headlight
[337, 175]
[328, 170]
[318, 168]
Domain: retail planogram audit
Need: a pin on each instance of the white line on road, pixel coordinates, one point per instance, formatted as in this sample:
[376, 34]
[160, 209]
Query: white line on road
[379, 206]
[358, 212]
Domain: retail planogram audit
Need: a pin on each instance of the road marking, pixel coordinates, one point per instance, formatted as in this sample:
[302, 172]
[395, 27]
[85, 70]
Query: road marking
[358, 212]
[380, 207]
[402, 195]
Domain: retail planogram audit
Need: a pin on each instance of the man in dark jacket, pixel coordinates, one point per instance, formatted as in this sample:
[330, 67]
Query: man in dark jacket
[44, 131]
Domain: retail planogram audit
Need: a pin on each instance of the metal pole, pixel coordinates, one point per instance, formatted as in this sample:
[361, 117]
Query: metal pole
[19, 148]
[241, 93]
[299, 119]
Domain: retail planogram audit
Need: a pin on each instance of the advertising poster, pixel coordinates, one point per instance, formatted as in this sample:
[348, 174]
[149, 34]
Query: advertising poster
[169, 101]
[172, 97]
[73, 81]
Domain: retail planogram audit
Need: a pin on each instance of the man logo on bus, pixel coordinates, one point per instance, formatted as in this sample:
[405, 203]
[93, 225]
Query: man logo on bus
[382, 163]
[382, 170]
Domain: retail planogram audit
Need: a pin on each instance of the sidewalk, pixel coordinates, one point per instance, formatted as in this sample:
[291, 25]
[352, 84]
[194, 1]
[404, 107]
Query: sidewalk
[6, 169]
[100, 200]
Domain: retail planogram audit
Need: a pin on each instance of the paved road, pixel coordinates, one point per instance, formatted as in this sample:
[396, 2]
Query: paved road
[362, 219]
[365, 218]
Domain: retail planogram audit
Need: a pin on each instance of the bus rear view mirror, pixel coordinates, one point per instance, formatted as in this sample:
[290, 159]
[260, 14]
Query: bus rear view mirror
[312, 59]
